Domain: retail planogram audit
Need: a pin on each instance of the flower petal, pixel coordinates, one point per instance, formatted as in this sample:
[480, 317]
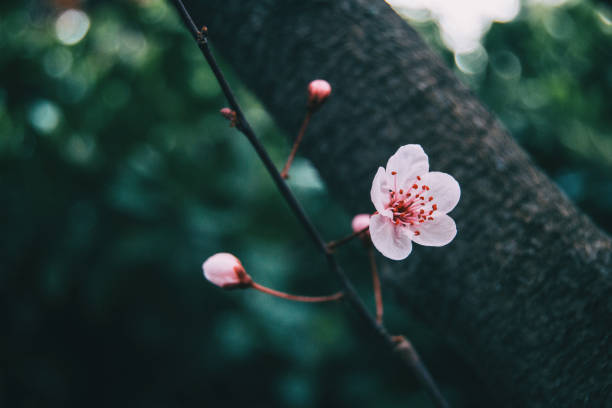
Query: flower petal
[437, 232]
[409, 161]
[391, 240]
[443, 188]
[380, 190]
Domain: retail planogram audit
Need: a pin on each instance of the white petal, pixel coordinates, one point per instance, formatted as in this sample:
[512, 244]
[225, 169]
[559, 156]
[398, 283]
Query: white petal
[392, 241]
[443, 188]
[380, 190]
[437, 232]
[409, 161]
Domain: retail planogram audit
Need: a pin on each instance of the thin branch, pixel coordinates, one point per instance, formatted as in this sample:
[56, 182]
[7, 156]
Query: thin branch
[350, 294]
[331, 245]
[376, 284]
[297, 298]
[296, 144]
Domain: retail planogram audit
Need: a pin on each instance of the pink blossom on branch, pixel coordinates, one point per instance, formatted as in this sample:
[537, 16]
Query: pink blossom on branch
[226, 271]
[411, 204]
[360, 222]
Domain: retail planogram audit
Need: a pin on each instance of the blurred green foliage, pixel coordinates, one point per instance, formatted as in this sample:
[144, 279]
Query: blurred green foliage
[119, 178]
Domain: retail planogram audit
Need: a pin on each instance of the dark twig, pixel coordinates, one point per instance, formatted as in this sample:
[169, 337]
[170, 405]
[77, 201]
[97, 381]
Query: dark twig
[331, 245]
[407, 354]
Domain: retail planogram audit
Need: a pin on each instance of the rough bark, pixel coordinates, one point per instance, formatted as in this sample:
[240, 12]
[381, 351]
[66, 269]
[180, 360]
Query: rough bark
[525, 290]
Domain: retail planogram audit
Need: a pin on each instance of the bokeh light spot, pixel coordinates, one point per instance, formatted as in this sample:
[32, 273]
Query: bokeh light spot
[506, 65]
[473, 62]
[44, 116]
[462, 23]
[57, 62]
[71, 26]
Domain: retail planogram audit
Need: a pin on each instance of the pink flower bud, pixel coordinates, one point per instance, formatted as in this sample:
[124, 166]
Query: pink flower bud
[318, 91]
[226, 271]
[230, 115]
[360, 222]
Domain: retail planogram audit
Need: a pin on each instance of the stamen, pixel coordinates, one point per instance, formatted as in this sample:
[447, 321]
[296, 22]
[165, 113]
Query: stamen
[435, 207]
[419, 178]
[417, 233]
[415, 186]
[393, 173]
[430, 198]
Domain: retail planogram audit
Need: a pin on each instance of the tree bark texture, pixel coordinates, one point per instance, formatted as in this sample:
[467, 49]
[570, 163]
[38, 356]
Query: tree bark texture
[524, 292]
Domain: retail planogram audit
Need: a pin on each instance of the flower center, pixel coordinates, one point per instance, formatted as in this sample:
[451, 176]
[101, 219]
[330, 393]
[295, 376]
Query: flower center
[412, 205]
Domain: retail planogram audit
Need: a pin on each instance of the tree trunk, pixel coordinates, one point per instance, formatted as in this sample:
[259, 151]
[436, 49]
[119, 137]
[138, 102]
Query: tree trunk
[525, 290]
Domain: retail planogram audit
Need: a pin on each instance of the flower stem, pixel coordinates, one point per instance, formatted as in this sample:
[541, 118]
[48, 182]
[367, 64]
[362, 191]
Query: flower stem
[376, 284]
[331, 245]
[296, 144]
[297, 298]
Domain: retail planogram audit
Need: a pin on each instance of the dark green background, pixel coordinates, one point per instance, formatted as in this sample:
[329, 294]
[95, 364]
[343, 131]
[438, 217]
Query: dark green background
[108, 214]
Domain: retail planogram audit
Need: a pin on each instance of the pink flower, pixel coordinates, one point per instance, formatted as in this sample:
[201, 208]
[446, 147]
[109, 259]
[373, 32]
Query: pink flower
[360, 222]
[318, 91]
[411, 204]
[226, 271]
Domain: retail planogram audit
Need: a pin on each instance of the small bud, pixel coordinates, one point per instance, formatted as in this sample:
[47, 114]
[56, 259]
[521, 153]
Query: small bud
[227, 113]
[318, 91]
[230, 115]
[226, 271]
[360, 222]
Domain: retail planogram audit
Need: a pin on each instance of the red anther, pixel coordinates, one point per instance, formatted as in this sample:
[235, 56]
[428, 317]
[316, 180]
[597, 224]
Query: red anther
[408, 195]
[430, 198]
[430, 218]
[401, 191]
[418, 177]
[422, 198]
[415, 186]
[435, 207]
[393, 173]
[421, 220]
[422, 211]
[425, 188]
[431, 212]
[417, 233]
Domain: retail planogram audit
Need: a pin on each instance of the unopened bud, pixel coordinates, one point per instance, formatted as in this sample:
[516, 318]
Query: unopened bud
[230, 115]
[226, 271]
[318, 91]
[360, 222]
